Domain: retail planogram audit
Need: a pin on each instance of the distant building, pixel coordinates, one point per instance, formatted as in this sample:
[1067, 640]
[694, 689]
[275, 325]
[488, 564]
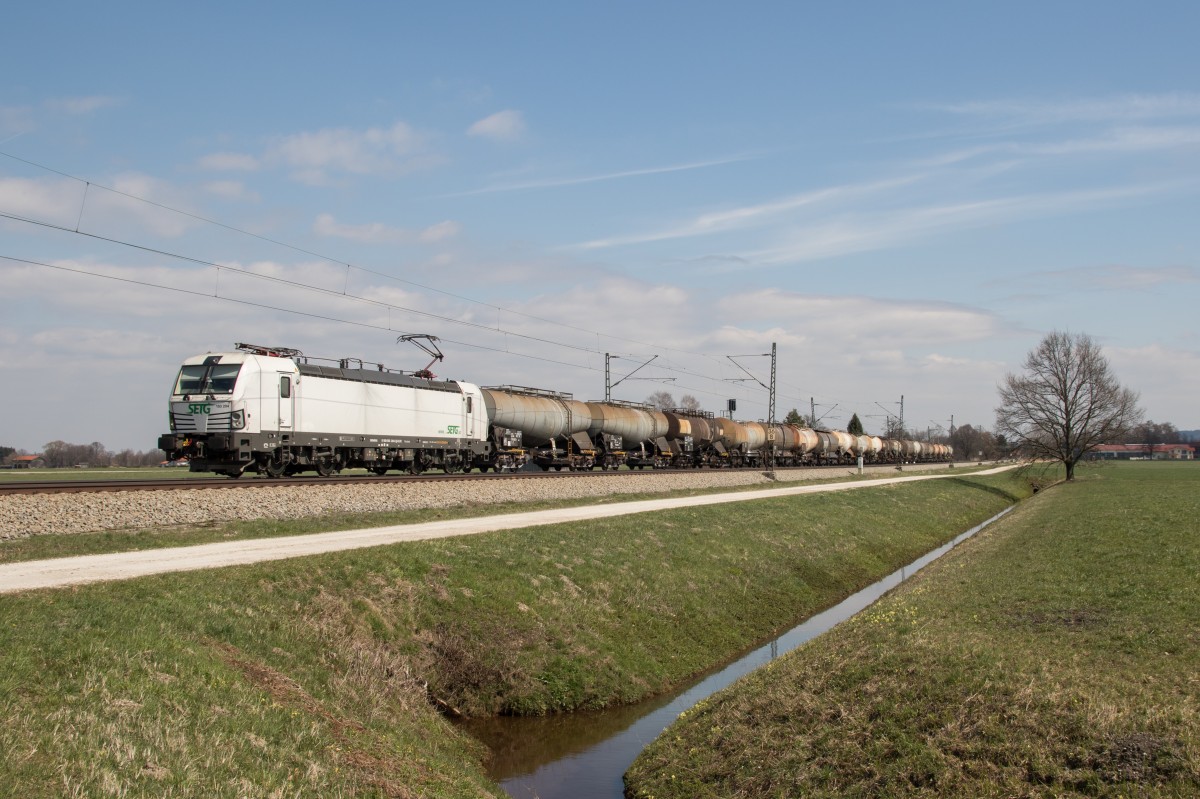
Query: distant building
[27, 461]
[1158, 452]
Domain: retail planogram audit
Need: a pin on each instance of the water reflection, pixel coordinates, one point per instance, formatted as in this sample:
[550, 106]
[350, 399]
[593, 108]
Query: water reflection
[585, 755]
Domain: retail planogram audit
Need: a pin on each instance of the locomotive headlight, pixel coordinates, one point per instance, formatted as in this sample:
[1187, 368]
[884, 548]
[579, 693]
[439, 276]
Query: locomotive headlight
[238, 419]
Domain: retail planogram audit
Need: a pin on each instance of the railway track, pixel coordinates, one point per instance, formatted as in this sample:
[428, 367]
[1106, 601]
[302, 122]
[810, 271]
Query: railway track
[186, 483]
[195, 483]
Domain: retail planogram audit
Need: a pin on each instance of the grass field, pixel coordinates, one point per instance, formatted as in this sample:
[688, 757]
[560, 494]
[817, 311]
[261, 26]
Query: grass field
[1055, 655]
[320, 676]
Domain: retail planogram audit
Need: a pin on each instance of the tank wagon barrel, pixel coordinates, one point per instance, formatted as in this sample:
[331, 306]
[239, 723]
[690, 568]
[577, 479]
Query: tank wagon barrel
[553, 428]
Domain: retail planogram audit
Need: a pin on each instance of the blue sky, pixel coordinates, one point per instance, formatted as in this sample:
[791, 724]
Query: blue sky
[904, 198]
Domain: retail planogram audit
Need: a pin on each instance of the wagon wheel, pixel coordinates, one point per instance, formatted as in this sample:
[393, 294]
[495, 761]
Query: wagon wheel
[379, 470]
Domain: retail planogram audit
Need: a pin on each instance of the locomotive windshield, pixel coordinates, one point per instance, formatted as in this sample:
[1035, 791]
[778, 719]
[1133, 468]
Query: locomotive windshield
[217, 378]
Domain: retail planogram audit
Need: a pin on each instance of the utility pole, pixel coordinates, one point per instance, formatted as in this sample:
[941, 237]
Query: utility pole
[770, 457]
[771, 412]
[901, 414]
[812, 412]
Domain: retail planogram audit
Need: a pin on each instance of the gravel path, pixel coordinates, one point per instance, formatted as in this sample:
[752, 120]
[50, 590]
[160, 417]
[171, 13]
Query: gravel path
[25, 515]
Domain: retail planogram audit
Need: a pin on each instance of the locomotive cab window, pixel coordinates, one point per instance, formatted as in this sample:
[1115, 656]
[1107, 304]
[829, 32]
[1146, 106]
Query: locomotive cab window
[217, 378]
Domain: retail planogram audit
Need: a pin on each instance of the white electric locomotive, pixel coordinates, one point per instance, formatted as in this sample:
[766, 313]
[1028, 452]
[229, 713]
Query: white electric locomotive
[269, 410]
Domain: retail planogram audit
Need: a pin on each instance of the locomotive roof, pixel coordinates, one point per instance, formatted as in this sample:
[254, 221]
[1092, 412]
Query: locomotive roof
[332, 372]
[375, 376]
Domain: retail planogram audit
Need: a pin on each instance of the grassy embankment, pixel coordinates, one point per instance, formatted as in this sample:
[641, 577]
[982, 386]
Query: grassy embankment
[314, 677]
[1056, 655]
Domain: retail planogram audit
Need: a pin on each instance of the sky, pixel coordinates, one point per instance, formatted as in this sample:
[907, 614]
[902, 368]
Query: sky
[902, 198]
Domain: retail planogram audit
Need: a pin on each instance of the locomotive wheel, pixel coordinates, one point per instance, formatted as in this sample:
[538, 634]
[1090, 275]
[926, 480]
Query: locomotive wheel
[325, 467]
[379, 470]
[275, 468]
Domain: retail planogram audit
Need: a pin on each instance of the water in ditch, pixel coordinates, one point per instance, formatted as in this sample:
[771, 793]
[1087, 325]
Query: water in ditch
[585, 755]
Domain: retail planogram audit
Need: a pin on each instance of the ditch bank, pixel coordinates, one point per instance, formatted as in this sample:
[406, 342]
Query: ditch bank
[321, 676]
[1053, 656]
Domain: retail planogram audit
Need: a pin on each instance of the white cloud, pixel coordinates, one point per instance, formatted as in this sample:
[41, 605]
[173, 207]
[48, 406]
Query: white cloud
[51, 200]
[440, 232]
[1120, 140]
[379, 233]
[78, 106]
[851, 320]
[553, 183]
[506, 125]
[16, 119]
[229, 162]
[139, 203]
[1122, 108]
[231, 190]
[1168, 379]
[852, 233]
[315, 156]
[752, 215]
[1117, 277]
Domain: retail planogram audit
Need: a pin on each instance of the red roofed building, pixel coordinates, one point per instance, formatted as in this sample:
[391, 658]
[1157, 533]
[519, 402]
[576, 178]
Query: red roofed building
[1158, 452]
[27, 461]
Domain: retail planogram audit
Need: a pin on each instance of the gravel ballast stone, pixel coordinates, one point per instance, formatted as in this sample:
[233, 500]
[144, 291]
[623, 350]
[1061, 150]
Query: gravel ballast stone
[25, 515]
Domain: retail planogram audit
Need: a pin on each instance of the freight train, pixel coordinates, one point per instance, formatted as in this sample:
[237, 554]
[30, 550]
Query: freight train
[274, 411]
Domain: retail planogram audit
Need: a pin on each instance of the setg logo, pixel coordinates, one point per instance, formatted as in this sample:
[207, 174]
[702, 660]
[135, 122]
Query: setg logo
[452, 429]
[200, 407]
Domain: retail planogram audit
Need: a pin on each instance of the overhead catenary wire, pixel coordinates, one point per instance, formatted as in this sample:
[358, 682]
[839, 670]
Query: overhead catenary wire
[333, 293]
[295, 248]
[345, 293]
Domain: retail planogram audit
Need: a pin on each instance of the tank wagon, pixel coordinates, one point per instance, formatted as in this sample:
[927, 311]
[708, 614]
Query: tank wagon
[275, 411]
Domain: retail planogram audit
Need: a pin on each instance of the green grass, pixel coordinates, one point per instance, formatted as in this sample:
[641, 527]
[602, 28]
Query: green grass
[1054, 655]
[93, 473]
[320, 676]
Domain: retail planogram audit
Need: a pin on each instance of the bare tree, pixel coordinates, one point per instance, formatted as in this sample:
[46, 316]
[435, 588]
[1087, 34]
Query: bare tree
[661, 399]
[970, 442]
[1068, 402]
[689, 403]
